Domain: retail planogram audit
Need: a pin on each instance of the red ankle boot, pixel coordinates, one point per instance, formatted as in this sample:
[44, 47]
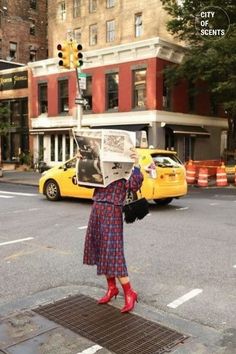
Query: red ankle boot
[130, 297]
[111, 292]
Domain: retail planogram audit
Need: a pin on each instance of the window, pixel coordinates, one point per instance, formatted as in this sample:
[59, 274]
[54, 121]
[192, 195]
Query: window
[112, 85]
[62, 11]
[92, 6]
[59, 147]
[13, 50]
[33, 4]
[93, 34]
[87, 94]
[32, 56]
[63, 99]
[110, 31]
[110, 3]
[52, 146]
[43, 98]
[138, 25]
[77, 34]
[166, 98]
[32, 27]
[76, 8]
[139, 88]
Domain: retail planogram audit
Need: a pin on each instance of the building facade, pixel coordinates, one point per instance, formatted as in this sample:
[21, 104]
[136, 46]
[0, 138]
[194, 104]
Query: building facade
[23, 30]
[14, 104]
[126, 90]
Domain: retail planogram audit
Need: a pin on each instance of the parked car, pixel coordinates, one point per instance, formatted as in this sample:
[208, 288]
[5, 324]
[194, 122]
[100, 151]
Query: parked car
[164, 178]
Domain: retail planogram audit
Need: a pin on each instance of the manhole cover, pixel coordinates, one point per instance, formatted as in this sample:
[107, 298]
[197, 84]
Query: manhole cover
[106, 326]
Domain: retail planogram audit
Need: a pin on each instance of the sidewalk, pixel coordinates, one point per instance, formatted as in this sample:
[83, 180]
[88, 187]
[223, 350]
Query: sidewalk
[29, 178]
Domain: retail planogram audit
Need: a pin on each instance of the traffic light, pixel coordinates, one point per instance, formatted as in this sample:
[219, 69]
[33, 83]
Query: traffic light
[64, 52]
[77, 55]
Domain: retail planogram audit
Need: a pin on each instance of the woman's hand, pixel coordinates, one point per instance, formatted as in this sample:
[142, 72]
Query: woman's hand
[134, 157]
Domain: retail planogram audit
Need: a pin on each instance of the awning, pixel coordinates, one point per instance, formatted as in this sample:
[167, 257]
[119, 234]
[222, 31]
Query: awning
[188, 130]
[129, 127]
[48, 130]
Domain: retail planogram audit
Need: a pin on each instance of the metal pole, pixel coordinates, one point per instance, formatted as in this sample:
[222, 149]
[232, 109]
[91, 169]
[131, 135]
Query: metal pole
[79, 106]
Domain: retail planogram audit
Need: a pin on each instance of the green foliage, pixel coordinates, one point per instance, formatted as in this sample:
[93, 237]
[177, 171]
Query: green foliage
[208, 59]
[4, 125]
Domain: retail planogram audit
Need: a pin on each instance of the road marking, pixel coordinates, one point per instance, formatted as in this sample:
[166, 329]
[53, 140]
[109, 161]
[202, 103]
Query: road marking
[19, 193]
[91, 350]
[82, 227]
[214, 204]
[234, 266]
[16, 241]
[6, 196]
[184, 208]
[184, 298]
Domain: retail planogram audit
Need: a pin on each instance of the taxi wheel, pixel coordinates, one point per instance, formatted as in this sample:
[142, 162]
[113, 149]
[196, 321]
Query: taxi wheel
[52, 190]
[163, 201]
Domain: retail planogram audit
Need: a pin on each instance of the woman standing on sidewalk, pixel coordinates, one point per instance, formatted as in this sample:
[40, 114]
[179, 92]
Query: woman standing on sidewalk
[104, 246]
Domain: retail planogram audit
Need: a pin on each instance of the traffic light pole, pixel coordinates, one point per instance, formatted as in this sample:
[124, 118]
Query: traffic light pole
[79, 101]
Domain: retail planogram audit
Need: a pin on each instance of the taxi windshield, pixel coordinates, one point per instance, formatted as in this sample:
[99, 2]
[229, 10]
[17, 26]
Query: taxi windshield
[166, 160]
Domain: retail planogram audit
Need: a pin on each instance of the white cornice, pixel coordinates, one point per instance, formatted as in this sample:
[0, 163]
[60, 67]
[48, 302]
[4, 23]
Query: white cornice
[146, 49]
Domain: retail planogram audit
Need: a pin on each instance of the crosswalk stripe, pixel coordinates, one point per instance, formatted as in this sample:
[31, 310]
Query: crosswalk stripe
[19, 193]
[6, 196]
[16, 241]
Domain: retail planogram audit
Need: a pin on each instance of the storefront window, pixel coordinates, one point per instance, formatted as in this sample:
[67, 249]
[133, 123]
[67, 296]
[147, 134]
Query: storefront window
[52, 147]
[139, 88]
[59, 148]
[15, 113]
[67, 152]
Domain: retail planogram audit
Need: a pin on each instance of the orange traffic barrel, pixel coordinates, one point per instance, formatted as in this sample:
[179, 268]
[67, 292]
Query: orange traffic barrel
[221, 176]
[202, 177]
[190, 172]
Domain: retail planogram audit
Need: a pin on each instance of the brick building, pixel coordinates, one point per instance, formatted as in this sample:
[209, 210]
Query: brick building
[23, 30]
[125, 52]
[23, 38]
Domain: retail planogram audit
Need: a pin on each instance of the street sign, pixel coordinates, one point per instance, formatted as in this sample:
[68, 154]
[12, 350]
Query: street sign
[82, 80]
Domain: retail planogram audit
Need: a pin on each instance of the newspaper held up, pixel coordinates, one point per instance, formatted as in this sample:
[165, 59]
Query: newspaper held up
[105, 156]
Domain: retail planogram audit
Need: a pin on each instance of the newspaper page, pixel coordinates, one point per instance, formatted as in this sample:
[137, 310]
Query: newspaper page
[105, 156]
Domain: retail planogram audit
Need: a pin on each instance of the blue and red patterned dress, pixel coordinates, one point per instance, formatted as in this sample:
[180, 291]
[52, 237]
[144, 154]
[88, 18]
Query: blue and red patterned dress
[104, 245]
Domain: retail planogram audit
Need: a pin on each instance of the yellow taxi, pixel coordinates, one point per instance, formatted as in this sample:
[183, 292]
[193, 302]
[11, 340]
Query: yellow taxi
[164, 178]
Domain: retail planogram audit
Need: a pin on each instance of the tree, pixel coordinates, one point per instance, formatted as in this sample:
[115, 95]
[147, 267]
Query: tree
[209, 57]
[4, 124]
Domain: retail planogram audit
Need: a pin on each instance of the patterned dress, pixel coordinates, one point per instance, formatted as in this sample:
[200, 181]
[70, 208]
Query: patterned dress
[104, 245]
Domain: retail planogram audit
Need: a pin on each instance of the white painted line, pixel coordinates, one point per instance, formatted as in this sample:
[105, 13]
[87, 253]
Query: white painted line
[82, 227]
[184, 298]
[6, 196]
[214, 204]
[19, 193]
[16, 241]
[184, 208]
[91, 350]
[234, 266]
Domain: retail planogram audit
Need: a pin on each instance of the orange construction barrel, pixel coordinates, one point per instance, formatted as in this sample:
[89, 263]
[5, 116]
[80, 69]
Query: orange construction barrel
[202, 177]
[190, 172]
[221, 176]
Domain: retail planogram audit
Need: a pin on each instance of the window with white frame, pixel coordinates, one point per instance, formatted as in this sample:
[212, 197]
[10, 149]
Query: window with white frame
[112, 90]
[92, 6]
[77, 34]
[62, 11]
[138, 24]
[110, 3]
[110, 31]
[93, 34]
[76, 8]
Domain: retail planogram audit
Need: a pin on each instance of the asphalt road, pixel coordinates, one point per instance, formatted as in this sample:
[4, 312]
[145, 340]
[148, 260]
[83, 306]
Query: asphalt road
[185, 249]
